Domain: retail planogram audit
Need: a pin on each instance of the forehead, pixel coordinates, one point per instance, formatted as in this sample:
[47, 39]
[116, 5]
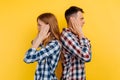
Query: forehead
[40, 21]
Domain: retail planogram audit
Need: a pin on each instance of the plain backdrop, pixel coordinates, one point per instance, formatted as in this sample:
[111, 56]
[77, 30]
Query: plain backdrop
[18, 27]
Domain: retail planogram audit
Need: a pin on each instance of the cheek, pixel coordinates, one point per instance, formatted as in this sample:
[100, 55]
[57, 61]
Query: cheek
[81, 21]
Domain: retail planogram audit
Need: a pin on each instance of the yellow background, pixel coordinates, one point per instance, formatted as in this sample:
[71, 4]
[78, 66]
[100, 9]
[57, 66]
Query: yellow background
[18, 27]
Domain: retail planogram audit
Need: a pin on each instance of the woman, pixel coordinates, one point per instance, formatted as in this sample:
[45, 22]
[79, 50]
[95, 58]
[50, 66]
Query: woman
[48, 54]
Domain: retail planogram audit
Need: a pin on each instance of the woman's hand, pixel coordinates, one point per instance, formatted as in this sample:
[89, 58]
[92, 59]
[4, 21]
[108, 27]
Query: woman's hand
[44, 32]
[42, 35]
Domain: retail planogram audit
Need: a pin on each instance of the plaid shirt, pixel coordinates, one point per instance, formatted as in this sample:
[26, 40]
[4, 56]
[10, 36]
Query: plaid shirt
[76, 52]
[47, 58]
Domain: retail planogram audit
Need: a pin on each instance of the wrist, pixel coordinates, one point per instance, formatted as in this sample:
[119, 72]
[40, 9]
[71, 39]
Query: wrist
[81, 35]
[36, 43]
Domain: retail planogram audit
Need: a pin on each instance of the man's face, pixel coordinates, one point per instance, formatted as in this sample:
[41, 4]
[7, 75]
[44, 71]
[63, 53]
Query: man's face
[80, 18]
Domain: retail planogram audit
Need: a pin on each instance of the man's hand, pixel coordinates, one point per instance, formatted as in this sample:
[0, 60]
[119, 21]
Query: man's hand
[76, 27]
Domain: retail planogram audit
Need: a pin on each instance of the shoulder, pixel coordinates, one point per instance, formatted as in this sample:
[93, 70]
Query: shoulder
[66, 30]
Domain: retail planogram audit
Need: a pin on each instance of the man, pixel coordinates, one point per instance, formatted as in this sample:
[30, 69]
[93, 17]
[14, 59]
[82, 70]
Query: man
[76, 47]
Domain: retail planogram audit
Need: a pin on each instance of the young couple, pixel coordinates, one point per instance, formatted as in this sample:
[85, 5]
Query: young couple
[71, 44]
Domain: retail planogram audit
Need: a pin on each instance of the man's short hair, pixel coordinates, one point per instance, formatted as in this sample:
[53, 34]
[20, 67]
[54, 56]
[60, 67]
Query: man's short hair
[72, 10]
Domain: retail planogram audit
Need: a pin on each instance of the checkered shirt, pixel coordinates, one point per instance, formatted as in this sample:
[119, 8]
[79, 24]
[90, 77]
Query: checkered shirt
[76, 52]
[47, 58]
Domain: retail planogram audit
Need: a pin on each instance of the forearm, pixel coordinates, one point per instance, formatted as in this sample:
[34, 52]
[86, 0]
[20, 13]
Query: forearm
[85, 49]
[29, 56]
[80, 49]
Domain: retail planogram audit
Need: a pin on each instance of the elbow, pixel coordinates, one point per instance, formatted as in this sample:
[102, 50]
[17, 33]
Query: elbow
[87, 58]
[27, 61]
[28, 56]
[86, 55]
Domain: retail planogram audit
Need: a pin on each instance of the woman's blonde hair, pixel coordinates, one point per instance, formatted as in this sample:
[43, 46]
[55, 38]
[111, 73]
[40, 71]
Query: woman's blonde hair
[49, 18]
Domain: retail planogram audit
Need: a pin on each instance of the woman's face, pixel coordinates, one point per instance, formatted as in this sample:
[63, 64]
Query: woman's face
[40, 24]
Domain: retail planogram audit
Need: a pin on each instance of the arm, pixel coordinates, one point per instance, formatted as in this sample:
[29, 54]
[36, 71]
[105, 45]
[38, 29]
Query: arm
[33, 55]
[53, 60]
[77, 48]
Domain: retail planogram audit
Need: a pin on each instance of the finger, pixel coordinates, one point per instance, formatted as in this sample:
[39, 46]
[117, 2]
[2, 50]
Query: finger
[47, 28]
[74, 23]
[72, 30]
[48, 35]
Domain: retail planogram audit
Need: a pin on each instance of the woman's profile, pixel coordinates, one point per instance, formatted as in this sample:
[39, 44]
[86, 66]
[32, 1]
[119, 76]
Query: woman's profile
[48, 41]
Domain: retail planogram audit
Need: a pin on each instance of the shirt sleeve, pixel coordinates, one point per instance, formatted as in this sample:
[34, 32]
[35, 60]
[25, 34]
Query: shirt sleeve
[33, 55]
[54, 61]
[80, 48]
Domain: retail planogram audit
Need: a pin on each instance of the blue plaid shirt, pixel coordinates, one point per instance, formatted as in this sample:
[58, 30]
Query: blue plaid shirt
[47, 58]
